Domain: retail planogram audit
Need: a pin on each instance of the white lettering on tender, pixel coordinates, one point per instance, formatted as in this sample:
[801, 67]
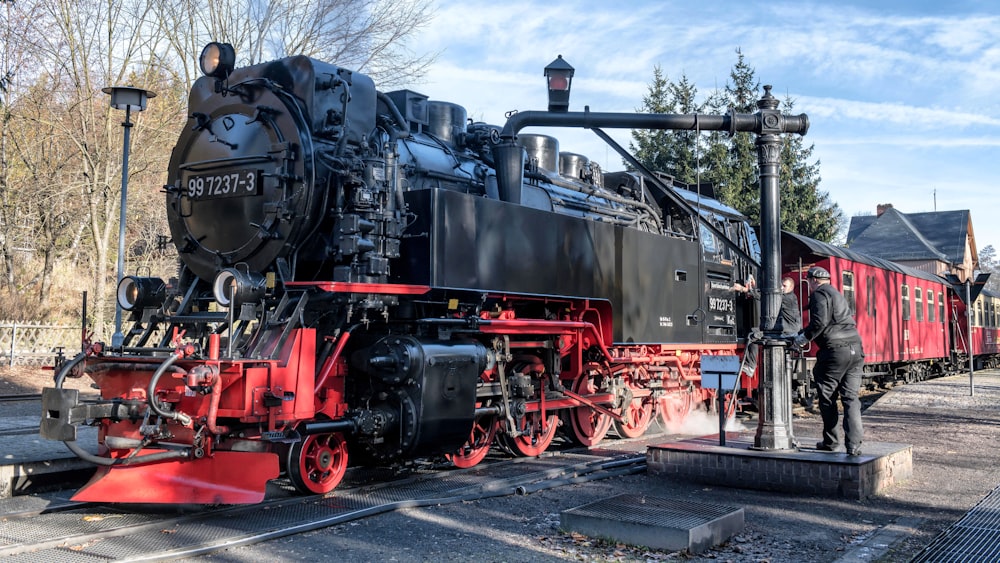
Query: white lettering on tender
[720, 304]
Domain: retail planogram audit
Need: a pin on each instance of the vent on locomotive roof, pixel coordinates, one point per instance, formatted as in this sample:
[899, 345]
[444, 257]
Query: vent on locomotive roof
[543, 149]
[705, 189]
[446, 121]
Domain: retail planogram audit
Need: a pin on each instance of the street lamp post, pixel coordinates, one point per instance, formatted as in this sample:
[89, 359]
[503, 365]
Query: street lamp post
[128, 99]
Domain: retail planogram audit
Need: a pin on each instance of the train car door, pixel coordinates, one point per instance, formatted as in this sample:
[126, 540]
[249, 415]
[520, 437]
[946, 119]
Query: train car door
[872, 338]
[905, 314]
[886, 287]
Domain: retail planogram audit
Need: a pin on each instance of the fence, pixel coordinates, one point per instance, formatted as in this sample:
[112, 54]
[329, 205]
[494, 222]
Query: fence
[26, 344]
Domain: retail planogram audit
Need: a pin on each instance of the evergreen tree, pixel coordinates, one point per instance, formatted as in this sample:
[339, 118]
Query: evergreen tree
[988, 262]
[740, 186]
[652, 147]
[715, 155]
[805, 209]
[730, 163]
[684, 152]
[671, 152]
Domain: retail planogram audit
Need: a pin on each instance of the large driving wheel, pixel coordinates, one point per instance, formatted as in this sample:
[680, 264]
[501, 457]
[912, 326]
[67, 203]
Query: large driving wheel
[480, 439]
[637, 416]
[317, 464]
[534, 439]
[589, 426]
[674, 408]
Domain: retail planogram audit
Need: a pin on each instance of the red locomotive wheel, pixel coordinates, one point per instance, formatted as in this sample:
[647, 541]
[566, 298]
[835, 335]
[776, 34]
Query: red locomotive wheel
[589, 426]
[535, 440]
[638, 415]
[318, 463]
[480, 440]
[674, 408]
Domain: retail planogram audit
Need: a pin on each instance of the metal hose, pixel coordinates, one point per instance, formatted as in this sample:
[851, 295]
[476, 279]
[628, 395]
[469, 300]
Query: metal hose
[68, 367]
[110, 461]
[151, 393]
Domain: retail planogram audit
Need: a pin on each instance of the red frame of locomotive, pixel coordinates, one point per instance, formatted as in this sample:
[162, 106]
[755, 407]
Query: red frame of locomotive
[237, 389]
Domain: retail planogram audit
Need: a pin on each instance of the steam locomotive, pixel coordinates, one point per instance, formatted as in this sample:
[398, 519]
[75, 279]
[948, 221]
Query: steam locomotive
[371, 277]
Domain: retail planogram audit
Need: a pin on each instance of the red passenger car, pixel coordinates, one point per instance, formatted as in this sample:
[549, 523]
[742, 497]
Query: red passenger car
[985, 321]
[903, 314]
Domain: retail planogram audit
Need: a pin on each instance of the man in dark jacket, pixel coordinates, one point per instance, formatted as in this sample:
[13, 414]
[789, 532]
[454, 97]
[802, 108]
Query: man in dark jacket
[790, 316]
[789, 321]
[838, 363]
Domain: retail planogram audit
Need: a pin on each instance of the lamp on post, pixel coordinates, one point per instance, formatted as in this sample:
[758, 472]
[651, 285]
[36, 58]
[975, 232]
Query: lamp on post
[128, 99]
[559, 76]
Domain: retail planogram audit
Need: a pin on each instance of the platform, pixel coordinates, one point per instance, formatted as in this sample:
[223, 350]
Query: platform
[27, 460]
[809, 471]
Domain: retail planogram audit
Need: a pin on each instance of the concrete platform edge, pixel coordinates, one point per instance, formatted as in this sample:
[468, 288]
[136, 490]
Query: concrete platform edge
[703, 460]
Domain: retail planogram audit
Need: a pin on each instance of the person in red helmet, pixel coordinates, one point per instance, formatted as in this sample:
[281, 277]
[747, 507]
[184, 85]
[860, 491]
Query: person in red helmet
[838, 363]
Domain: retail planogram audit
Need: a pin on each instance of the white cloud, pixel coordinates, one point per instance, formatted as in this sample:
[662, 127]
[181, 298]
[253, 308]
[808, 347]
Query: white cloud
[891, 113]
[902, 97]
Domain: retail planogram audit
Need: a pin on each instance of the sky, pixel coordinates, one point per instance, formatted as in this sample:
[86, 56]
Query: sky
[903, 96]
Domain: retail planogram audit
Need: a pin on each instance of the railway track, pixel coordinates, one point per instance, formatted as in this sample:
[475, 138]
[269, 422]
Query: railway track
[17, 397]
[156, 533]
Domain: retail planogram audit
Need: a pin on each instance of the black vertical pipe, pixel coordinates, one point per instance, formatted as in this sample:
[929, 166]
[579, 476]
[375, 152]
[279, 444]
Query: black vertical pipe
[774, 424]
[83, 323]
[509, 159]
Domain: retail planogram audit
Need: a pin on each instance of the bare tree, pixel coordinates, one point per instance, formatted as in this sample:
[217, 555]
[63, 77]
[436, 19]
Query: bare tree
[78, 61]
[61, 143]
[364, 35]
[13, 27]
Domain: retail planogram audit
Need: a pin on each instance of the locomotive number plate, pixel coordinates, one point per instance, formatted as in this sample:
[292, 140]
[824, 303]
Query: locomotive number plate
[236, 183]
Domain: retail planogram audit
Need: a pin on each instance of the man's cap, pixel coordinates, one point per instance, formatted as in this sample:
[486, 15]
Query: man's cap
[819, 273]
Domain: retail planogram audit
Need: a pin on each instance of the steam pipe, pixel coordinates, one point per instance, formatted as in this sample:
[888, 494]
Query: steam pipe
[68, 367]
[731, 122]
[328, 427]
[213, 406]
[487, 411]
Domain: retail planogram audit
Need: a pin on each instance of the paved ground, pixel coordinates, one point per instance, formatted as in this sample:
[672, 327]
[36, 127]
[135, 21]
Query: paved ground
[955, 464]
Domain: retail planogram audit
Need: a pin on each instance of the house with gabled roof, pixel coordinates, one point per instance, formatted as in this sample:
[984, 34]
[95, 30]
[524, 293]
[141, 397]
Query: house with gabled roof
[938, 242]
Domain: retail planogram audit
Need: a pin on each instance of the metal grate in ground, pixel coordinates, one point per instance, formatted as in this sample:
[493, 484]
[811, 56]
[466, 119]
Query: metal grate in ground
[976, 537]
[655, 522]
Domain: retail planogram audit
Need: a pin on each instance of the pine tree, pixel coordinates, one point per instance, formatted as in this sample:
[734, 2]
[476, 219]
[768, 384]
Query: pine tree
[805, 209]
[684, 151]
[670, 152]
[988, 262]
[741, 187]
[653, 147]
[715, 152]
[730, 163]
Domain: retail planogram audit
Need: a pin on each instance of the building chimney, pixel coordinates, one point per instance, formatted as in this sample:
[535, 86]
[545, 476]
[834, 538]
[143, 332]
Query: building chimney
[882, 208]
